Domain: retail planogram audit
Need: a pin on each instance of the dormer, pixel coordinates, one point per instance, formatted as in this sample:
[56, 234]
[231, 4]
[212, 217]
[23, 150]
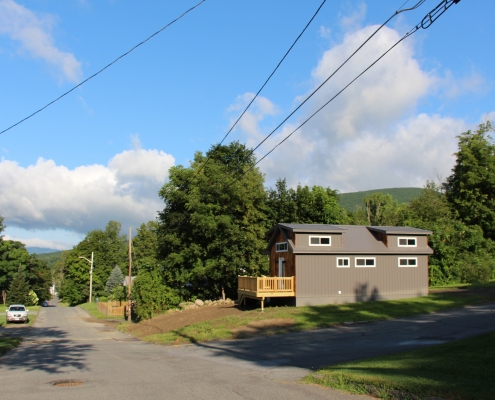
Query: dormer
[401, 237]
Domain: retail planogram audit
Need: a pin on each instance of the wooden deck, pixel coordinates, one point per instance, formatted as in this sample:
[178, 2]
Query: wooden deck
[261, 287]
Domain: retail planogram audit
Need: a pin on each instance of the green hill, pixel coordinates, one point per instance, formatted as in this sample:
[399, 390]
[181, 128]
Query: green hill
[50, 258]
[352, 201]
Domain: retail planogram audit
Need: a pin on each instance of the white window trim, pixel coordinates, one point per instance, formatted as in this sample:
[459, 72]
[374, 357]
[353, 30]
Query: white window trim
[365, 258]
[281, 251]
[407, 238]
[407, 258]
[320, 236]
[344, 266]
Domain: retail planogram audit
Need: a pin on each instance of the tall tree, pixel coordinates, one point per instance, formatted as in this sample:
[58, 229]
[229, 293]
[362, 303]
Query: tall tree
[145, 245]
[109, 248]
[115, 279]
[18, 292]
[213, 225]
[303, 205]
[470, 189]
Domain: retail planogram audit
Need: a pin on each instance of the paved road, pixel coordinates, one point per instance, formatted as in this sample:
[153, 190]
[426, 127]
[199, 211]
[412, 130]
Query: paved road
[63, 346]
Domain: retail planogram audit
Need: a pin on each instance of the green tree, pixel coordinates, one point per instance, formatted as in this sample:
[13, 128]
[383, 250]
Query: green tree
[2, 226]
[151, 294]
[303, 205]
[470, 189]
[145, 245]
[116, 279]
[109, 248]
[18, 292]
[213, 225]
[37, 273]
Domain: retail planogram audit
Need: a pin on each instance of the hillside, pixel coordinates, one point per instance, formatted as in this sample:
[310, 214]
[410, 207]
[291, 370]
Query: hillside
[353, 200]
[50, 258]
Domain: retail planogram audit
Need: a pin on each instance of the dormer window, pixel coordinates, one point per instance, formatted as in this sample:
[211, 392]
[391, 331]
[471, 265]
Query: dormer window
[407, 242]
[283, 246]
[320, 241]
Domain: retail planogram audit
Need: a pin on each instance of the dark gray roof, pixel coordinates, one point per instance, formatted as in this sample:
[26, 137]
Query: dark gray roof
[399, 230]
[314, 228]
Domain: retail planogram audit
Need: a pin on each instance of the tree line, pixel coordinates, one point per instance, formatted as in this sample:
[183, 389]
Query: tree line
[24, 278]
[217, 212]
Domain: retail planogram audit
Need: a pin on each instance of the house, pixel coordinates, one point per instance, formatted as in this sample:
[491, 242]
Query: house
[332, 264]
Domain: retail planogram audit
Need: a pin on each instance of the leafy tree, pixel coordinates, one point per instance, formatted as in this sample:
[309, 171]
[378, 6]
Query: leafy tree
[116, 279]
[145, 245]
[14, 254]
[213, 225]
[109, 248]
[152, 295]
[74, 292]
[303, 205]
[18, 292]
[470, 189]
[382, 210]
[2, 226]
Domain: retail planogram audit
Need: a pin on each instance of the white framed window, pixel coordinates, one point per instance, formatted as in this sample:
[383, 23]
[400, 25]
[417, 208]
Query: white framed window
[343, 262]
[283, 246]
[407, 242]
[365, 262]
[320, 240]
[408, 261]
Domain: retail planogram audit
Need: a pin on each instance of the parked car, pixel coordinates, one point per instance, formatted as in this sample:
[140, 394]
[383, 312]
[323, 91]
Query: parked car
[17, 312]
[45, 304]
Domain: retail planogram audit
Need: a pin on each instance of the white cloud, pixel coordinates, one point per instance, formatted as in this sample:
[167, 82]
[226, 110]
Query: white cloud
[454, 87]
[325, 32]
[259, 110]
[368, 137]
[33, 33]
[352, 20]
[48, 196]
[43, 243]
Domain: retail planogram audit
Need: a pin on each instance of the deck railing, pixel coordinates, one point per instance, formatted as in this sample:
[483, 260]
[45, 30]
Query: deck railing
[266, 284]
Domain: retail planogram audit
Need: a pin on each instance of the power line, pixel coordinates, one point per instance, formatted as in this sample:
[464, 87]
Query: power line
[427, 21]
[262, 87]
[105, 67]
[419, 3]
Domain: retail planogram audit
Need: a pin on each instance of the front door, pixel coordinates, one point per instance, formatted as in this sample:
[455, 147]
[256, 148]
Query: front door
[281, 272]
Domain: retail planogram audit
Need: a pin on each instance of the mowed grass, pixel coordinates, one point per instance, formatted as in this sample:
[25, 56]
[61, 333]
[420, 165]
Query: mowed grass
[305, 318]
[32, 317]
[463, 369]
[8, 343]
[92, 309]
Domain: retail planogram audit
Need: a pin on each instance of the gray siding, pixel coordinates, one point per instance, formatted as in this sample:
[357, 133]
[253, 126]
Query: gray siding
[302, 240]
[318, 280]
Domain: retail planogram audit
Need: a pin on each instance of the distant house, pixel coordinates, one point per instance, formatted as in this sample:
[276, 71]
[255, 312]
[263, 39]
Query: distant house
[331, 264]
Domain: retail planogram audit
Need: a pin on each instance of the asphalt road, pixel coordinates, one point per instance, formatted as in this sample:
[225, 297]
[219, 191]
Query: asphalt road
[62, 346]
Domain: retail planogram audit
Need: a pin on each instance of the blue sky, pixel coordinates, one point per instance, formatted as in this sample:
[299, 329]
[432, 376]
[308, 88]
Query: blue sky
[103, 151]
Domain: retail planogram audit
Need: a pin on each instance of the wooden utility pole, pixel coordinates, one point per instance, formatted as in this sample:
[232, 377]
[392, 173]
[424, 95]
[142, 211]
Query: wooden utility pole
[129, 282]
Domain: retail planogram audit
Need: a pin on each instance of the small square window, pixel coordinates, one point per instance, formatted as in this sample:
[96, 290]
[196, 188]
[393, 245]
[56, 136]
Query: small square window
[408, 262]
[320, 241]
[365, 262]
[343, 263]
[281, 247]
[407, 242]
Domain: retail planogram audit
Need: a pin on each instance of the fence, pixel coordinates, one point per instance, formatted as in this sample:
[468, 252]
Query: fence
[112, 308]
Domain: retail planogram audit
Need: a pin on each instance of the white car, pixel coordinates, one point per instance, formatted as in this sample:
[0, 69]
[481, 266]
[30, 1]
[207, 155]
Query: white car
[17, 312]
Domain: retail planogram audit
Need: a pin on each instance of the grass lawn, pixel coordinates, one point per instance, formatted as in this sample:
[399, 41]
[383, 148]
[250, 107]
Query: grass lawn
[32, 318]
[92, 309]
[304, 318]
[8, 343]
[463, 369]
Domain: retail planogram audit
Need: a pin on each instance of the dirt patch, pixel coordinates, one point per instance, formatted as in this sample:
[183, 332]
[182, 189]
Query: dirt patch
[178, 319]
[264, 328]
[107, 322]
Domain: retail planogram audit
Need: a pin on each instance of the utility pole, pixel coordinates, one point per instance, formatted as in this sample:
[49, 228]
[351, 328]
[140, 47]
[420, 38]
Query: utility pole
[90, 276]
[129, 282]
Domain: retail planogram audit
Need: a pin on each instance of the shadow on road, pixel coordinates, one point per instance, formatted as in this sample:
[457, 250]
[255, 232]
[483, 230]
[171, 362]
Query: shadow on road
[49, 350]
